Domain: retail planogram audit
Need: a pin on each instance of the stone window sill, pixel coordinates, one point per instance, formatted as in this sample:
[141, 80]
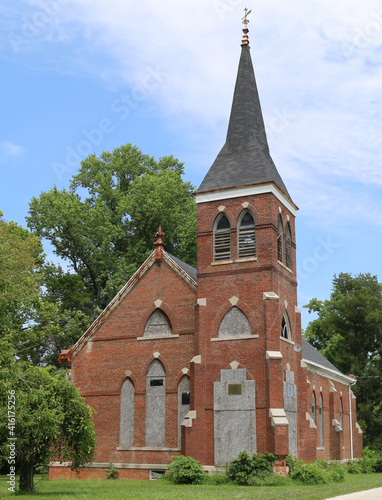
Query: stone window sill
[320, 448]
[221, 339]
[285, 267]
[221, 262]
[158, 337]
[246, 259]
[287, 340]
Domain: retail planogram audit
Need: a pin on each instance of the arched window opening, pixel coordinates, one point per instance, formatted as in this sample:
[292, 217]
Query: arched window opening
[158, 325]
[155, 404]
[183, 402]
[314, 413]
[235, 324]
[247, 241]
[285, 327]
[126, 433]
[288, 246]
[321, 423]
[341, 415]
[280, 239]
[222, 238]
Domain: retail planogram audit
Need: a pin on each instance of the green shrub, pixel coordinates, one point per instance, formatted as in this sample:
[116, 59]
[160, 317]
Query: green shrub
[216, 479]
[240, 469]
[111, 471]
[310, 473]
[324, 464]
[292, 462]
[267, 480]
[354, 467]
[185, 470]
[243, 467]
[378, 463]
[337, 472]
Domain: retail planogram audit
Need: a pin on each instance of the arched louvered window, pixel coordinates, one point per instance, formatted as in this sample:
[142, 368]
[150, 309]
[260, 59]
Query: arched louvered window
[314, 413]
[288, 246]
[247, 241]
[285, 327]
[321, 422]
[280, 239]
[222, 238]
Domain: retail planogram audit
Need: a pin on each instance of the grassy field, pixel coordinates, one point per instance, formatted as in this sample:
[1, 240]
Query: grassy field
[163, 490]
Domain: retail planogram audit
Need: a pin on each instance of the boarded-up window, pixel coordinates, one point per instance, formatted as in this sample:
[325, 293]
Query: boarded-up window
[321, 423]
[126, 434]
[155, 404]
[288, 246]
[158, 325]
[222, 238]
[247, 241]
[314, 413]
[341, 415]
[280, 239]
[234, 324]
[183, 402]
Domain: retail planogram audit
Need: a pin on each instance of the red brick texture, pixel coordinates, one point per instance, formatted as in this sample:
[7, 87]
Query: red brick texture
[104, 358]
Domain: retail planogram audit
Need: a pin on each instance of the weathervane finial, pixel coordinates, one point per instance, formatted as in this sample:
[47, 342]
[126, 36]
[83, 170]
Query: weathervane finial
[245, 20]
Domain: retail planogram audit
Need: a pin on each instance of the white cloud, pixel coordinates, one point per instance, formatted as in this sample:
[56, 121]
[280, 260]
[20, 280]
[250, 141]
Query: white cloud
[318, 67]
[9, 149]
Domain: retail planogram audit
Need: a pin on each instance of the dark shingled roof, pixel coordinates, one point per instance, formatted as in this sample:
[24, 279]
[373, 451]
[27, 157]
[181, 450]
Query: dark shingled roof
[244, 158]
[310, 353]
[191, 271]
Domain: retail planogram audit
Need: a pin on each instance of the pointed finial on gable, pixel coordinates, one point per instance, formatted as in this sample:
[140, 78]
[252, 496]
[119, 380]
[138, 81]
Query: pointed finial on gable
[245, 20]
[159, 245]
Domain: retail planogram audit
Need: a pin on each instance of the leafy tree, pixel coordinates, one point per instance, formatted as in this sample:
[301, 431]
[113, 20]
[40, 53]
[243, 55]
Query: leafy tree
[51, 419]
[20, 257]
[104, 226]
[348, 331]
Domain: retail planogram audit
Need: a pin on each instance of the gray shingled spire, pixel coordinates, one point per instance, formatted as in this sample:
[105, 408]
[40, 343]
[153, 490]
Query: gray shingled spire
[244, 158]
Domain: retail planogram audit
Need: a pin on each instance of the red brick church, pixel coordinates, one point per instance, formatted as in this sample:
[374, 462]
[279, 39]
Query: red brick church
[209, 362]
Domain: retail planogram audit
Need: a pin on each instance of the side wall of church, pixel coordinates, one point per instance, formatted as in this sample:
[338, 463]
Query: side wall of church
[119, 350]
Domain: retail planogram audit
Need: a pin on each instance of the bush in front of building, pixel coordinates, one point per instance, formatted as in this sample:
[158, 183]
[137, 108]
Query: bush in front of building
[318, 472]
[185, 470]
[245, 470]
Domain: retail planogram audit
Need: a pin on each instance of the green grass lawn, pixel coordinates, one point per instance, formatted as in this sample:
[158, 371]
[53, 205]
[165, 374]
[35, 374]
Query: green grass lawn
[163, 490]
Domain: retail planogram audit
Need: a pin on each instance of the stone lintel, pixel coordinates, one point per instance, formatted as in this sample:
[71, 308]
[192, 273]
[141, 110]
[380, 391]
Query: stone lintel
[274, 355]
[270, 296]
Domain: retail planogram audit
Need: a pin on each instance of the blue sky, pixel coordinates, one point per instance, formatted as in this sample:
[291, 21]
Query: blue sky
[84, 76]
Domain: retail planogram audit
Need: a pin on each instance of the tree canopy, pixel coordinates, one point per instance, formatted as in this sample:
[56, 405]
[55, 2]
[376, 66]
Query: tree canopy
[104, 226]
[348, 331]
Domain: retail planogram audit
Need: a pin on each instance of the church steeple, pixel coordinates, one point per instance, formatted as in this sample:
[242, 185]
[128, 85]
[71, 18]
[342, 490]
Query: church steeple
[244, 159]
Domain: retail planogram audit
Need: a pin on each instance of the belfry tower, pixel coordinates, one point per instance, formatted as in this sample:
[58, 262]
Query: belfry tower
[244, 377]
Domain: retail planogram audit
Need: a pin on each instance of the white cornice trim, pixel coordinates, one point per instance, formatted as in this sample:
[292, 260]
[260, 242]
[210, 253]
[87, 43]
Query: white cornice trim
[246, 191]
[328, 373]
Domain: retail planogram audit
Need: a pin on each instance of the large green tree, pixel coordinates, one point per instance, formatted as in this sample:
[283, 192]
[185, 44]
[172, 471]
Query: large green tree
[104, 226]
[41, 412]
[348, 331]
[42, 417]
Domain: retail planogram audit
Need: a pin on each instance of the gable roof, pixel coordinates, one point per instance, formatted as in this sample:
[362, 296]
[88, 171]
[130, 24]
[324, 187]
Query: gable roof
[188, 273]
[244, 159]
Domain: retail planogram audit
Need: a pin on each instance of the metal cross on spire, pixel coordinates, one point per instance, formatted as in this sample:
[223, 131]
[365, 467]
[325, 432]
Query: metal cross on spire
[245, 20]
